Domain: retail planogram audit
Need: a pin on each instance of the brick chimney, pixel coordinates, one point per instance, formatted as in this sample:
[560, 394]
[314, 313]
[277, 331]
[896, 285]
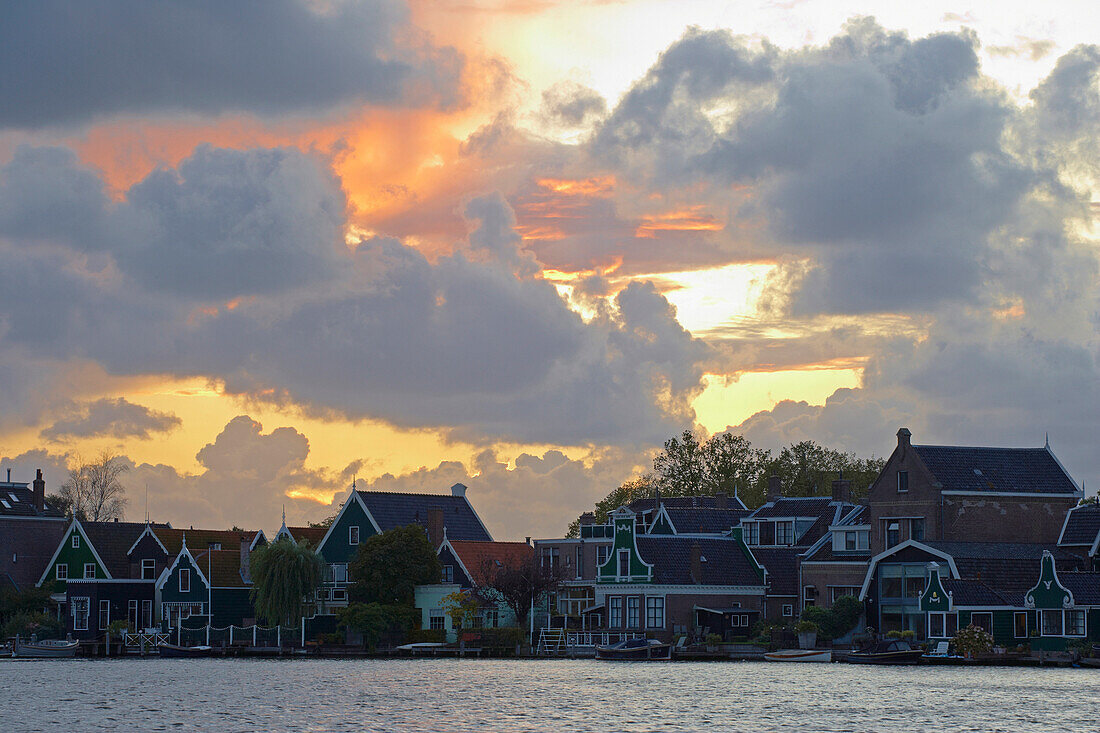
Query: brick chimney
[775, 488]
[39, 492]
[435, 526]
[721, 500]
[842, 489]
[904, 437]
[696, 563]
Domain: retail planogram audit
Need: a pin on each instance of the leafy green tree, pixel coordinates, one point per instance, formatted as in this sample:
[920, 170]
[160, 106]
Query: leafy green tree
[808, 469]
[378, 621]
[836, 621]
[27, 601]
[732, 464]
[681, 467]
[388, 566]
[284, 576]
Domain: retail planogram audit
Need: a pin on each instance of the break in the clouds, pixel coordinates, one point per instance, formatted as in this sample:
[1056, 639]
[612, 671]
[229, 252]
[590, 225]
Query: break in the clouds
[69, 63]
[110, 417]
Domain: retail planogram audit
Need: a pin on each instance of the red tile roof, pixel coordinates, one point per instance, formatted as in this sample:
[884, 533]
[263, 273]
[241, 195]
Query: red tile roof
[312, 535]
[475, 556]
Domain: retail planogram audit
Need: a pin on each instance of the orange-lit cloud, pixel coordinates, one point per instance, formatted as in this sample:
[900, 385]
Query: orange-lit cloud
[691, 219]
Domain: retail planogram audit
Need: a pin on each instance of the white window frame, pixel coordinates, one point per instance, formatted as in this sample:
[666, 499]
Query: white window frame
[89, 571]
[81, 610]
[339, 594]
[787, 533]
[150, 565]
[1084, 622]
[633, 612]
[809, 595]
[448, 573]
[437, 621]
[1054, 613]
[104, 614]
[1015, 616]
[132, 612]
[901, 489]
[353, 534]
[580, 561]
[605, 551]
[655, 612]
[752, 533]
[147, 614]
[61, 571]
[942, 616]
[615, 612]
[76, 541]
[185, 573]
[787, 610]
[619, 556]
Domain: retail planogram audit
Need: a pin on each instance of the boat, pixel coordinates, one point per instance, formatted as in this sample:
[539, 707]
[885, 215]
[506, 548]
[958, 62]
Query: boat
[185, 652]
[800, 655]
[891, 651]
[45, 649]
[636, 650]
[421, 646]
[1090, 662]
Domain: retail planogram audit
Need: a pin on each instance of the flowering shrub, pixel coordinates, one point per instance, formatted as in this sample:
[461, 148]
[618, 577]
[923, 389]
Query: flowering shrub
[973, 640]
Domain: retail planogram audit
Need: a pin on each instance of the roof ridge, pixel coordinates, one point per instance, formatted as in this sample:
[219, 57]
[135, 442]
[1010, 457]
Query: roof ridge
[977, 447]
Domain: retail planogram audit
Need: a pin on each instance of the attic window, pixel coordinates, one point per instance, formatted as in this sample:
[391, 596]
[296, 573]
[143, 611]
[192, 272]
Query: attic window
[13, 497]
[977, 472]
[5, 503]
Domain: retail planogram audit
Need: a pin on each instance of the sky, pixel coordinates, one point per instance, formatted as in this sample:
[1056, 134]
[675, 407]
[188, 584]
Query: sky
[263, 250]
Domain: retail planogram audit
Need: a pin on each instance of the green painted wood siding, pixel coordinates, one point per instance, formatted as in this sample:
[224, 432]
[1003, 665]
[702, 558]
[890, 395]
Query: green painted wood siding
[75, 558]
[170, 592]
[337, 549]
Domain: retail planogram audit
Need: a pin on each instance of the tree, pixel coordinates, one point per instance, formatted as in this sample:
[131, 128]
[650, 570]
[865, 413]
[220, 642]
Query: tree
[463, 608]
[732, 464]
[518, 584]
[93, 491]
[390, 565]
[376, 621]
[326, 522]
[284, 576]
[808, 469]
[643, 487]
[63, 504]
[681, 467]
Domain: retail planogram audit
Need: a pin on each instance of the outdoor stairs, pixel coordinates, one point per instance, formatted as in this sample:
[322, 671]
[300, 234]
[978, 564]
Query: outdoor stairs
[551, 643]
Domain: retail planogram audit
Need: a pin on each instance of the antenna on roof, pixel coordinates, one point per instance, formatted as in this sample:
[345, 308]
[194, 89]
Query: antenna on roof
[147, 502]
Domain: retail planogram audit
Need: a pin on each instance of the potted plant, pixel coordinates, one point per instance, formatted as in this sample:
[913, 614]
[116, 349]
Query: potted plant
[713, 640]
[807, 634]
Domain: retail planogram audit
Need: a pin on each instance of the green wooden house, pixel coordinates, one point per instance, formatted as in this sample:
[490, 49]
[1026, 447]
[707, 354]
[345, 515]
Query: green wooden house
[207, 582]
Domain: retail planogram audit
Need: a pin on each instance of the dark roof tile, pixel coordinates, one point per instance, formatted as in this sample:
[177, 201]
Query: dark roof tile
[1008, 470]
[782, 566]
[705, 520]
[726, 563]
[1082, 526]
[391, 510]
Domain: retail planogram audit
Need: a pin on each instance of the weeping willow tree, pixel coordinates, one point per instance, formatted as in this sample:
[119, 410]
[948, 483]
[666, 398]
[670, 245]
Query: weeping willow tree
[284, 575]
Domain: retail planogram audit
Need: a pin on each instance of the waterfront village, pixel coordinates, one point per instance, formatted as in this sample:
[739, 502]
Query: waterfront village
[967, 553]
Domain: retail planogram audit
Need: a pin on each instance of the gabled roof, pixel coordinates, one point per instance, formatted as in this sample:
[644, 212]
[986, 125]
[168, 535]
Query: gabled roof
[1082, 527]
[997, 470]
[223, 569]
[390, 510]
[17, 500]
[1084, 586]
[200, 539]
[670, 555]
[312, 535]
[112, 542]
[972, 592]
[782, 566]
[822, 509]
[704, 520]
[476, 556]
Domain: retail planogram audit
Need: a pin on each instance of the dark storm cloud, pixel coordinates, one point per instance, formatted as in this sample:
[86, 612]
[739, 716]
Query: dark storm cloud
[569, 104]
[68, 62]
[116, 418]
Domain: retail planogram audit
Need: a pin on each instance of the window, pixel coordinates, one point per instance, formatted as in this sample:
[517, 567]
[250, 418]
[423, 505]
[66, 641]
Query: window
[339, 594]
[1075, 623]
[903, 481]
[914, 584]
[492, 618]
[214, 546]
[850, 540]
[839, 591]
[436, 620]
[76, 541]
[1052, 623]
[550, 557]
[788, 609]
[147, 614]
[809, 593]
[916, 529]
[982, 621]
[624, 563]
[185, 580]
[1019, 625]
[80, 614]
[602, 553]
[89, 570]
[340, 573]
[942, 625]
[148, 569]
[615, 612]
[752, 533]
[61, 572]
[893, 534]
[104, 615]
[131, 613]
[353, 535]
[632, 612]
[856, 540]
[448, 573]
[580, 562]
[655, 613]
[784, 533]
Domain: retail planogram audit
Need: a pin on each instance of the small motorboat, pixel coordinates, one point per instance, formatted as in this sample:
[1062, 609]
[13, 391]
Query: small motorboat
[636, 650]
[45, 649]
[891, 651]
[185, 652]
[800, 655]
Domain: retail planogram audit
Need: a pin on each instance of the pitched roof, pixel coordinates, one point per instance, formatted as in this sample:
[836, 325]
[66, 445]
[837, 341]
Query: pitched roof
[391, 510]
[1082, 526]
[1008, 567]
[475, 556]
[706, 520]
[823, 509]
[649, 503]
[1005, 470]
[726, 563]
[224, 566]
[971, 592]
[782, 566]
[312, 535]
[17, 500]
[26, 546]
[113, 540]
[1085, 587]
[200, 539]
[825, 553]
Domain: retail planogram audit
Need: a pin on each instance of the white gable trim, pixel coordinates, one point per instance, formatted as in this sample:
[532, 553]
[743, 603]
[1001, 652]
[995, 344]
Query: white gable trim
[148, 531]
[61, 545]
[1080, 493]
[354, 495]
[457, 557]
[474, 511]
[897, 548]
[662, 512]
[194, 564]
[256, 539]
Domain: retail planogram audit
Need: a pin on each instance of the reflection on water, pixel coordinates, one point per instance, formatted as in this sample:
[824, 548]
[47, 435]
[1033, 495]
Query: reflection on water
[524, 695]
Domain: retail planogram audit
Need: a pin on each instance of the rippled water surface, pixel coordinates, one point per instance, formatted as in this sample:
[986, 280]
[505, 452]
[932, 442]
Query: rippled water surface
[524, 695]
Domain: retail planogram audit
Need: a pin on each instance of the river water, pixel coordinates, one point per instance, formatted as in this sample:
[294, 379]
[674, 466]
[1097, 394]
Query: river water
[536, 695]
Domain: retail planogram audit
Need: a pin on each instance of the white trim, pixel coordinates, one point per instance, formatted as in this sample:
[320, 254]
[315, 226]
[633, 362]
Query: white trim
[347, 502]
[111, 580]
[259, 534]
[66, 538]
[1078, 493]
[1065, 523]
[836, 562]
[194, 566]
[454, 553]
[1095, 546]
[474, 512]
[613, 589]
[661, 512]
[1029, 494]
[848, 527]
[148, 531]
[896, 548]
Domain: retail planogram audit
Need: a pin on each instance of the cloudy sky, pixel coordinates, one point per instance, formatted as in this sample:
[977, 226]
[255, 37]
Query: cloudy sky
[262, 249]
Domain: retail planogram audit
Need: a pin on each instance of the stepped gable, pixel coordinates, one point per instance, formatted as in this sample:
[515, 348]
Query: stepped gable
[475, 556]
[1082, 527]
[670, 555]
[1000, 470]
[391, 510]
[112, 542]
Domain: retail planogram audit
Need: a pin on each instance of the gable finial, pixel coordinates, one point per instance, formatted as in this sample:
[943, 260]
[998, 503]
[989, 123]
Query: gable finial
[184, 545]
[1048, 440]
[284, 515]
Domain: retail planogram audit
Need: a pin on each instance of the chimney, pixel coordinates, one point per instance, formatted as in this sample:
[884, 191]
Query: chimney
[435, 526]
[903, 438]
[721, 500]
[842, 489]
[246, 559]
[458, 490]
[587, 518]
[527, 540]
[775, 488]
[696, 563]
[39, 492]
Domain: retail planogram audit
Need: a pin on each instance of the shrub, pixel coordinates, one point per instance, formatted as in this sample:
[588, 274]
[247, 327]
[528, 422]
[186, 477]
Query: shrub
[713, 639]
[835, 621]
[423, 636]
[893, 634]
[806, 627]
[908, 634]
[26, 623]
[973, 640]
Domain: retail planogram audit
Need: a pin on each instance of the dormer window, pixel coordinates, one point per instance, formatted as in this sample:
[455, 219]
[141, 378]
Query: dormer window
[784, 533]
[903, 481]
[752, 533]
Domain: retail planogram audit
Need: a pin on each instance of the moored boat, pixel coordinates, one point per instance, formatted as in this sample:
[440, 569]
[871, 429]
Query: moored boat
[893, 651]
[800, 655]
[45, 649]
[636, 650]
[185, 652]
